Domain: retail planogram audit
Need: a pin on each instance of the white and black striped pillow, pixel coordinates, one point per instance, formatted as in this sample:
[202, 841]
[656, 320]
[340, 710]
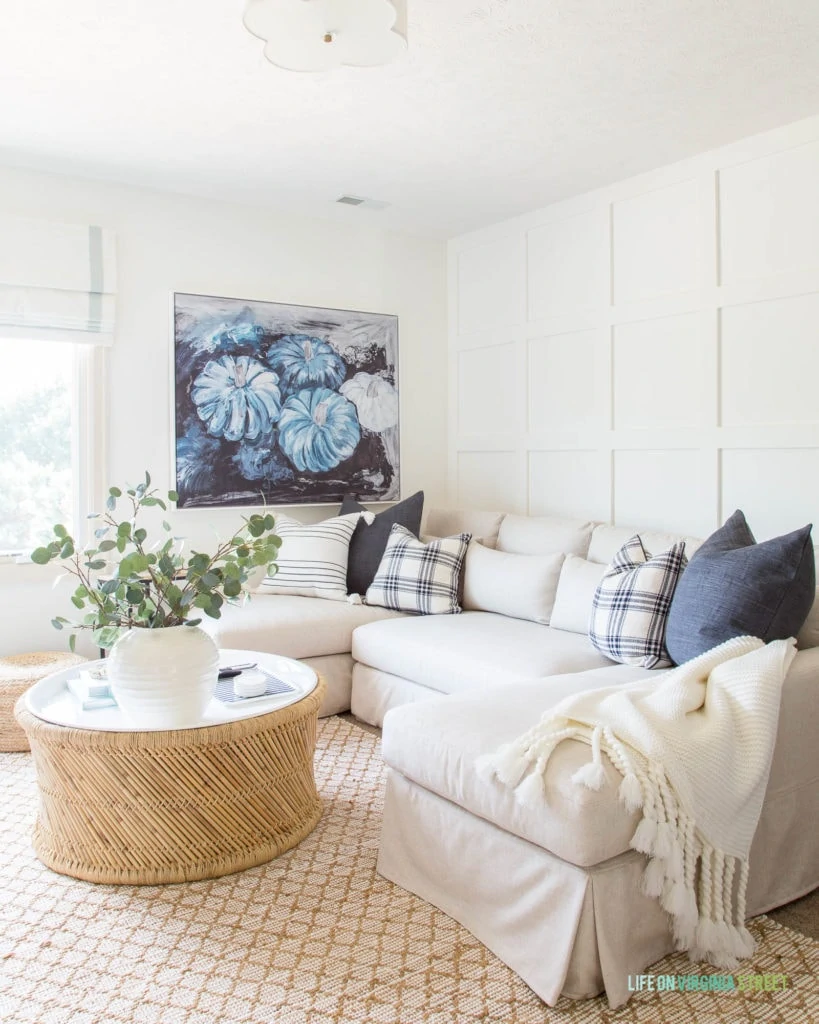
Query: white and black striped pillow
[631, 604]
[313, 557]
[419, 578]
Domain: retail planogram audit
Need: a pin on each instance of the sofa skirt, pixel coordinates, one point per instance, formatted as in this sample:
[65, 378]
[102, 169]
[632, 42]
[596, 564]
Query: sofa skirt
[566, 930]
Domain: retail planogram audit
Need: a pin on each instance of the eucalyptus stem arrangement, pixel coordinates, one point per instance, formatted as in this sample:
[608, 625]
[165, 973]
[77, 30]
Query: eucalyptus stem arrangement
[125, 582]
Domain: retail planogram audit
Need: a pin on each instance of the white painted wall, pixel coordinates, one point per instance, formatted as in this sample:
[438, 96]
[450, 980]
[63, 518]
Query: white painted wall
[168, 242]
[647, 353]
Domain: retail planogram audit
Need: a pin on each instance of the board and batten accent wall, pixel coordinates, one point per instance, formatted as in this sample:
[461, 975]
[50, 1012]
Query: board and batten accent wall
[647, 353]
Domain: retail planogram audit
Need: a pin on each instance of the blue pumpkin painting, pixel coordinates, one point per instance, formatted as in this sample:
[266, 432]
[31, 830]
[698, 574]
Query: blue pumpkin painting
[283, 404]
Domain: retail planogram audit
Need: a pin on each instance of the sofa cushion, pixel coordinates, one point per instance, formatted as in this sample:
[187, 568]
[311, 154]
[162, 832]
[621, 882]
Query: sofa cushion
[521, 586]
[445, 522]
[418, 578]
[435, 743]
[736, 587]
[606, 541]
[472, 650]
[631, 604]
[312, 561]
[544, 535]
[297, 627]
[574, 598]
[370, 539]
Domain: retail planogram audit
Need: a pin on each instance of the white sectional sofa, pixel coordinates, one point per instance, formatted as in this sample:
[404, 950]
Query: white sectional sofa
[554, 893]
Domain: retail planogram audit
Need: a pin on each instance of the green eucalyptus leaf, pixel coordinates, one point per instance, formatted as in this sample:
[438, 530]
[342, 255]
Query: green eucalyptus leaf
[57, 623]
[109, 586]
[41, 556]
[101, 532]
[67, 549]
[173, 496]
[60, 530]
[192, 622]
[232, 588]
[115, 492]
[72, 642]
[107, 545]
[147, 478]
[124, 529]
[78, 602]
[134, 595]
[121, 544]
[166, 525]
[140, 535]
[96, 565]
[110, 502]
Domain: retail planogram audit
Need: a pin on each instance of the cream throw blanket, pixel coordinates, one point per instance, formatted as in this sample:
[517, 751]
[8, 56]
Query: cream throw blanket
[694, 749]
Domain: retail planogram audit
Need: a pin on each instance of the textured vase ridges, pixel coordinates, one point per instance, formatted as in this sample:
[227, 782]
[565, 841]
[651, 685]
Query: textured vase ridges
[164, 678]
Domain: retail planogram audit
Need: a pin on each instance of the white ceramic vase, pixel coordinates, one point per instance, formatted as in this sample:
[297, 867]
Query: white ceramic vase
[163, 678]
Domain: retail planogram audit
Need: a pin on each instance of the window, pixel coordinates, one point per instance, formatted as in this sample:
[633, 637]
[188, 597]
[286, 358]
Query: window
[47, 449]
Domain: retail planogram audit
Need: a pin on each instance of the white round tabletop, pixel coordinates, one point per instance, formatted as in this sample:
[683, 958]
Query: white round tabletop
[50, 699]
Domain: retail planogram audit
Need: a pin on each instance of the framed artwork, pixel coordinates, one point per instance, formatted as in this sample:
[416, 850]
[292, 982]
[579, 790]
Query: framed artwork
[283, 404]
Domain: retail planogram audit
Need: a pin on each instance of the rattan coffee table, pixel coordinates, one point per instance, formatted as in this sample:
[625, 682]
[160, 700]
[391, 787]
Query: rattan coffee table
[146, 807]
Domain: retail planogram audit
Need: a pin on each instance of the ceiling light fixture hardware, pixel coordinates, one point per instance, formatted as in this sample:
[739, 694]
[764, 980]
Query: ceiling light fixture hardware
[361, 33]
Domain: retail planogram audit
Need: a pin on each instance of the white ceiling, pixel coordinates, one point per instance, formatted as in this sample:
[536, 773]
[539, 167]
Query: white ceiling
[501, 106]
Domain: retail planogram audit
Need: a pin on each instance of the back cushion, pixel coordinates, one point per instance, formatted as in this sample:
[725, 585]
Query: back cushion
[520, 586]
[446, 522]
[607, 540]
[576, 587]
[544, 535]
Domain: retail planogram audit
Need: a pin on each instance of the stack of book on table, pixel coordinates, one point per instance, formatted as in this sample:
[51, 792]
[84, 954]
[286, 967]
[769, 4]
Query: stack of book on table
[91, 690]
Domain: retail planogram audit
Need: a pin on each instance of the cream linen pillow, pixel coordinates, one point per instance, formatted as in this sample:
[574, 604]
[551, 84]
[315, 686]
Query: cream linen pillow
[578, 582]
[520, 586]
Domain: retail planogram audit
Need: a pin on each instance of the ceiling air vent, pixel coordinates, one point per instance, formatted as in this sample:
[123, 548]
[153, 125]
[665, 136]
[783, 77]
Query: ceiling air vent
[369, 204]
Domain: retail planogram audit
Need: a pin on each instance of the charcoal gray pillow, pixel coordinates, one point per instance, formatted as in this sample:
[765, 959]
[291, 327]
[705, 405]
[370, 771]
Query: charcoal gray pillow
[736, 587]
[369, 542]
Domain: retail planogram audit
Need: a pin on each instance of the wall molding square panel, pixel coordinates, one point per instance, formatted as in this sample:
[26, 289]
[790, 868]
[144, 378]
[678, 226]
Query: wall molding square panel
[667, 358]
[576, 484]
[776, 488]
[487, 393]
[769, 214]
[663, 373]
[674, 490]
[569, 265]
[770, 362]
[657, 243]
[491, 481]
[492, 285]
[566, 378]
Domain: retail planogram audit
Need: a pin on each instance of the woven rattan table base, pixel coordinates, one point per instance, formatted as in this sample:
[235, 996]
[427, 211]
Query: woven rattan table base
[142, 808]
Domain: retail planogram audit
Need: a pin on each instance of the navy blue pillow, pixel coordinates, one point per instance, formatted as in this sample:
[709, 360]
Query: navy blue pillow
[369, 542]
[736, 587]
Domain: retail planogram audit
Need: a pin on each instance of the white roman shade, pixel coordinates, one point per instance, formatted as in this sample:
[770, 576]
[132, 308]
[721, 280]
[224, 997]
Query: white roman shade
[57, 281]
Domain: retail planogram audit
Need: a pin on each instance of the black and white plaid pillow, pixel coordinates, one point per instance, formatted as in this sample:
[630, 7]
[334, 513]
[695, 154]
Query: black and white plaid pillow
[417, 577]
[631, 604]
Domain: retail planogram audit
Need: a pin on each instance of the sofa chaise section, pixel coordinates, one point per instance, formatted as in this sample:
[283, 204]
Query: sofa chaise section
[556, 892]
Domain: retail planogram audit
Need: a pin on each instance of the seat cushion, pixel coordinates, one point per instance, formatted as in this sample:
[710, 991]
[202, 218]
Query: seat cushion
[457, 653]
[435, 743]
[296, 627]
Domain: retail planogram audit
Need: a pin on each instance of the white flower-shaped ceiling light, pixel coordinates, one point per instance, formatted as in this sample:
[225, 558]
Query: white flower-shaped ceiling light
[319, 35]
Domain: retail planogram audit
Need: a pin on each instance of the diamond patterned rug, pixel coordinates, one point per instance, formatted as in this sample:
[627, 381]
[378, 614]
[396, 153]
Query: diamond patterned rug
[315, 937]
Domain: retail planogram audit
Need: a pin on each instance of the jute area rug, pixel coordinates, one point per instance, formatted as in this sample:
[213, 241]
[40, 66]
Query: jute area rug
[315, 937]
